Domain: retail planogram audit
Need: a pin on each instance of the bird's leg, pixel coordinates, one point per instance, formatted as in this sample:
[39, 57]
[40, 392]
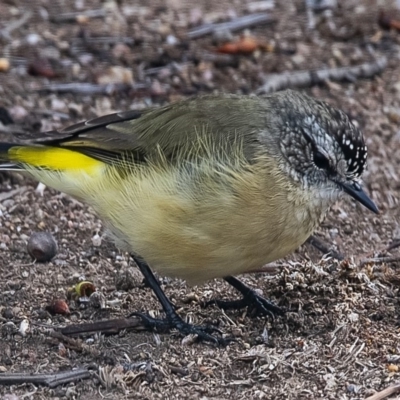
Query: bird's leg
[172, 320]
[250, 299]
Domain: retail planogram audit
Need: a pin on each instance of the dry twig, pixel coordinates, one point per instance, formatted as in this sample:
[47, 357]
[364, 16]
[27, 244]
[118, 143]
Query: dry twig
[323, 248]
[111, 326]
[275, 82]
[321, 5]
[378, 260]
[73, 16]
[385, 393]
[235, 25]
[50, 380]
[12, 193]
[393, 245]
[6, 32]
[108, 40]
[89, 88]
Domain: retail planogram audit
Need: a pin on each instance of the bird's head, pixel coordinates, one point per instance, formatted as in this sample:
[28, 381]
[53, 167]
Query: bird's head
[321, 148]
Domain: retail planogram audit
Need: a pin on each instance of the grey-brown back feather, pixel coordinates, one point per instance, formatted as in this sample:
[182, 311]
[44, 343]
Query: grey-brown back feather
[173, 129]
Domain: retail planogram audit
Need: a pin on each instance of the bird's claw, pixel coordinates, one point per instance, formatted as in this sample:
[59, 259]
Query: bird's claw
[253, 301]
[203, 333]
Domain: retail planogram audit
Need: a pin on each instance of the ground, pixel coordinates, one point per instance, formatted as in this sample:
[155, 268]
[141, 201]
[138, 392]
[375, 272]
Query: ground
[340, 338]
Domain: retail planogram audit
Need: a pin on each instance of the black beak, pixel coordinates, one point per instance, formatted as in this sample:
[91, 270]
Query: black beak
[356, 192]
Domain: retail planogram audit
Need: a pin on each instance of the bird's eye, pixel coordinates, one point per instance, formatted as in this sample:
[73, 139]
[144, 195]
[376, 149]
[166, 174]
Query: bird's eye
[320, 160]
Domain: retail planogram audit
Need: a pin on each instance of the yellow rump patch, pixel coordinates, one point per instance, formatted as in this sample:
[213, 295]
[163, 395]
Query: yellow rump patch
[52, 158]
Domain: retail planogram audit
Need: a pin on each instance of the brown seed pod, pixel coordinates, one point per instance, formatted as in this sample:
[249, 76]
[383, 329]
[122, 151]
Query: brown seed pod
[85, 289]
[58, 306]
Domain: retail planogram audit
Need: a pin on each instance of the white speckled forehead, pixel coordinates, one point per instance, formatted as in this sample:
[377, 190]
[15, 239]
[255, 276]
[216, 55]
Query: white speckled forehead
[348, 139]
[354, 150]
[358, 152]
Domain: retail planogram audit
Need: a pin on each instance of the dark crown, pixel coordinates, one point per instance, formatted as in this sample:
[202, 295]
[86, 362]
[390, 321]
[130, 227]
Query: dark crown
[315, 125]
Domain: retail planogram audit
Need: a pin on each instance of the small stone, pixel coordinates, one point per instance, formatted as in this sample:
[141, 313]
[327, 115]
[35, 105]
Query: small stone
[33, 39]
[348, 230]
[5, 117]
[172, 40]
[8, 313]
[9, 328]
[354, 317]
[351, 388]
[189, 340]
[82, 19]
[125, 280]
[42, 246]
[393, 368]
[191, 298]
[43, 314]
[24, 327]
[116, 75]
[97, 300]
[96, 240]
[4, 65]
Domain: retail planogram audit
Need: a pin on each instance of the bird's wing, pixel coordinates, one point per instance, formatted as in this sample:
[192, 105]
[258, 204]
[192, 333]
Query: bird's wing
[167, 131]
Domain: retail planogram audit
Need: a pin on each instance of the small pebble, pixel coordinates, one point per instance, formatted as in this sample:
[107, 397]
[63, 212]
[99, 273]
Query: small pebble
[125, 280]
[8, 313]
[393, 368]
[351, 388]
[172, 40]
[23, 327]
[190, 298]
[4, 65]
[97, 300]
[96, 240]
[33, 39]
[42, 246]
[5, 117]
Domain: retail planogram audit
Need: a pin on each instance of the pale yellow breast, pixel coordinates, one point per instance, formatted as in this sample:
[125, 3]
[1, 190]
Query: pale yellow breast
[205, 221]
[199, 225]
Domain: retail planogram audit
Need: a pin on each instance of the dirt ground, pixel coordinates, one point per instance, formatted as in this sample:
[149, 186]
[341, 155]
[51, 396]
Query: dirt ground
[341, 336]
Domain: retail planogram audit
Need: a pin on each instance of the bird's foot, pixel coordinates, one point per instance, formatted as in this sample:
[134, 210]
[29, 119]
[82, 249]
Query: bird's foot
[252, 300]
[173, 320]
[203, 333]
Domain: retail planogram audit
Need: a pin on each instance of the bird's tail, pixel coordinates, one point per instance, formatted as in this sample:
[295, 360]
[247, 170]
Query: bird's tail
[17, 156]
[63, 169]
[6, 160]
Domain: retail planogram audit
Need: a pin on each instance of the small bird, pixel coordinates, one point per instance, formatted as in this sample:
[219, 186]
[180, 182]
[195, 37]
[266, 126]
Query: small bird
[209, 187]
